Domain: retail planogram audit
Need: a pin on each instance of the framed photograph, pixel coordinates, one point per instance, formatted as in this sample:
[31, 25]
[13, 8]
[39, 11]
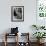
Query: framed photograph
[17, 13]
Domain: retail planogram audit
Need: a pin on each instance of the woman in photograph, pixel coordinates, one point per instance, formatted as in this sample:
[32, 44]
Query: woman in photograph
[18, 13]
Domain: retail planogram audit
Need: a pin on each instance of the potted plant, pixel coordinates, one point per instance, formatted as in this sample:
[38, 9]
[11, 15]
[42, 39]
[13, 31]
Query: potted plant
[39, 35]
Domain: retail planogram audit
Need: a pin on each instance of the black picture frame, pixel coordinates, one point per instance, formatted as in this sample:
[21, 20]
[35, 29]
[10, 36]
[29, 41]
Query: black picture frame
[17, 13]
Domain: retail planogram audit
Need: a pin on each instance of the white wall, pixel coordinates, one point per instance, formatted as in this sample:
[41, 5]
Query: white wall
[29, 15]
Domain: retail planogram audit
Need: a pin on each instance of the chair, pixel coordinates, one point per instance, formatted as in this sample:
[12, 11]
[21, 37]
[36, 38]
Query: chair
[7, 35]
[14, 32]
[25, 37]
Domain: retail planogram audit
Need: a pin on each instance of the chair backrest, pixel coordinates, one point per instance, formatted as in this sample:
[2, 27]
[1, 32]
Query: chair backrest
[14, 30]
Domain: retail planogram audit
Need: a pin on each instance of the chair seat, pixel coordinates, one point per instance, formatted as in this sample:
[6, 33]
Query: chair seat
[9, 34]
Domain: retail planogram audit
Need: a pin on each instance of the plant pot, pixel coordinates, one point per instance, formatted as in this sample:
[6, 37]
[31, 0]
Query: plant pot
[40, 41]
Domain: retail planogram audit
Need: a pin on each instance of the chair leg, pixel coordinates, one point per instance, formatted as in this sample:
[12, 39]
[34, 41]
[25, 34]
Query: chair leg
[5, 40]
[5, 43]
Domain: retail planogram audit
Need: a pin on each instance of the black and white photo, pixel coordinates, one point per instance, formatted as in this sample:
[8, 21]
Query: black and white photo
[17, 13]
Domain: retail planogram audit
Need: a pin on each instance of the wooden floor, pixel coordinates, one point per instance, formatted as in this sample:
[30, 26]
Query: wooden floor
[13, 44]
